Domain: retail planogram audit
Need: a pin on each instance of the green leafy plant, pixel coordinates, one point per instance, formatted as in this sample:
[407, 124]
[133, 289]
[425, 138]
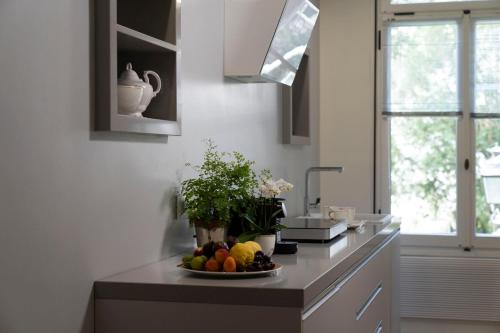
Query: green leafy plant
[263, 219]
[225, 182]
[242, 183]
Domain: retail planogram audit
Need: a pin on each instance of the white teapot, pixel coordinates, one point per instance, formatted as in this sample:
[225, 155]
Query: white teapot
[134, 94]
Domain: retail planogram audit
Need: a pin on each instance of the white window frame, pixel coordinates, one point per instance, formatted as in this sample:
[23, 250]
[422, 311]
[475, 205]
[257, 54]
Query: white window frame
[466, 236]
[484, 241]
[387, 8]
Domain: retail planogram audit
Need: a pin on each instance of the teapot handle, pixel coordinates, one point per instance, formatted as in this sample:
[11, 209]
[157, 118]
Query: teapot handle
[158, 81]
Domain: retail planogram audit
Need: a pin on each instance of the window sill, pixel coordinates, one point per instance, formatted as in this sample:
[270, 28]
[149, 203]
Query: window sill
[448, 251]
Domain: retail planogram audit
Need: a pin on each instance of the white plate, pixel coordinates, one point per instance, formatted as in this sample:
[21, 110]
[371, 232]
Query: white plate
[275, 271]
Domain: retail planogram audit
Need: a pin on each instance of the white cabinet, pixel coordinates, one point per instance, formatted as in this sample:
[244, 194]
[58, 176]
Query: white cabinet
[361, 303]
[364, 300]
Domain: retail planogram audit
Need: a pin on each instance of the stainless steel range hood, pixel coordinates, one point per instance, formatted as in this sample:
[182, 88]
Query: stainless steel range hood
[266, 39]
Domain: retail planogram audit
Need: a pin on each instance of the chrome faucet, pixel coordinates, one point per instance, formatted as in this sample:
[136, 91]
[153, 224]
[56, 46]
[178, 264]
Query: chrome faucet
[307, 204]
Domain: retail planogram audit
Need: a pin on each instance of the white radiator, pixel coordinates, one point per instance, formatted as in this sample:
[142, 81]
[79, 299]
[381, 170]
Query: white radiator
[450, 288]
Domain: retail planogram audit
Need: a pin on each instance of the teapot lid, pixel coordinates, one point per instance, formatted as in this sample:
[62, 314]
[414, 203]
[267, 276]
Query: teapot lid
[130, 78]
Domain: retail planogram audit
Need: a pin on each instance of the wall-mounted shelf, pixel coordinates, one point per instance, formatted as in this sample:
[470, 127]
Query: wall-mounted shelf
[146, 34]
[132, 40]
[297, 107]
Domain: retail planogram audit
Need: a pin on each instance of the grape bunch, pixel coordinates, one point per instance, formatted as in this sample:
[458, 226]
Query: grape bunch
[261, 262]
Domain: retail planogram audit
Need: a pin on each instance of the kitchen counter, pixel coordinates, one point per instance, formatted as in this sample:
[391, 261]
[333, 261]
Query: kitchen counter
[303, 279]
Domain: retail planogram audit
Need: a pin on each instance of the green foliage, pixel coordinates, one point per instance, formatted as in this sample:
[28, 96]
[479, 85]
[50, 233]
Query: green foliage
[242, 184]
[436, 140]
[225, 182]
[262, 218]
[265, 175]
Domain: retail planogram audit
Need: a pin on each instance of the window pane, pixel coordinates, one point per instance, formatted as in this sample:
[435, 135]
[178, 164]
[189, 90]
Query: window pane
[487, 67]
[423, 174]
[422, 67]
[488, 176]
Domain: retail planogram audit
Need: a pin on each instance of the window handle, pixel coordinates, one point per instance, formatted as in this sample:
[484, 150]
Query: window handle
[467, 164]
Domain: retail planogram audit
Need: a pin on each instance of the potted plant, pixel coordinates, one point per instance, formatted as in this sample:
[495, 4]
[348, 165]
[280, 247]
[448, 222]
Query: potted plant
[225, 181]
[268, 208]
[242, 183]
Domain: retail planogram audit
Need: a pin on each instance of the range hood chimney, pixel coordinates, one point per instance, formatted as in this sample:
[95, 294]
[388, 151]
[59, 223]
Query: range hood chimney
[265, 40]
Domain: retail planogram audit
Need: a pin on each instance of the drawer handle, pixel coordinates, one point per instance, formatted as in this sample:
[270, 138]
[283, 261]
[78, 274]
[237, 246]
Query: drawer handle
[369, 301]
[379, 327]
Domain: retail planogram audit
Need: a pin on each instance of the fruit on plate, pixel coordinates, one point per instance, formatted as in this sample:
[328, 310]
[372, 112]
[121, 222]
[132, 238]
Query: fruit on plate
[212, 265]
[198, 263]
[186, 261]
[231, 240]
[209, 249]
[255, 267]
[229, 265]
[198, 252]
[242, 257]
[220, 245]
[243, 254]
[254, 245]
[261, 262]
[221, 255]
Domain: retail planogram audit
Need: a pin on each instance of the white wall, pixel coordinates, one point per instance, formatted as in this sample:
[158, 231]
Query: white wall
[76, 206]
[346, 102]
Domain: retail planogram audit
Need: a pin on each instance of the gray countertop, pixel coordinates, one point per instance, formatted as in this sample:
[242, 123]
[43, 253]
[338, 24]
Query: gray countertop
[303, 278]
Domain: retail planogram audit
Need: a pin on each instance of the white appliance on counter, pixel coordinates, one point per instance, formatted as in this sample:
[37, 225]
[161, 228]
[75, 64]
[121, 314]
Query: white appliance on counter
[312, 230]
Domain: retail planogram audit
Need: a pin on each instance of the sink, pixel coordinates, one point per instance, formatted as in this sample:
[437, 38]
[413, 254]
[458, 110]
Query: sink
[373, 218]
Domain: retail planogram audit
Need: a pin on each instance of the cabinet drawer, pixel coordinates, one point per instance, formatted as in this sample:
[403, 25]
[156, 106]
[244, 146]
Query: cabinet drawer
[359, 304]
[377, 314]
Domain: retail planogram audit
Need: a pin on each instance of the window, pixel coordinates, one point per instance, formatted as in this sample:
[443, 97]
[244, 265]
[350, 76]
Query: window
[422, 76]
[487, 128]
[438, 117]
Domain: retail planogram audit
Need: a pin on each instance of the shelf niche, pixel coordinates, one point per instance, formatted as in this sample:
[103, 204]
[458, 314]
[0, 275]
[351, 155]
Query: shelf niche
[164, 105]
[146, 34]
[155, 18]
[296, 107]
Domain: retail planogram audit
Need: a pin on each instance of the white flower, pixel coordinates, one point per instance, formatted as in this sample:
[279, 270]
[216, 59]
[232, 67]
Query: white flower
[271, 188]
[283, 185]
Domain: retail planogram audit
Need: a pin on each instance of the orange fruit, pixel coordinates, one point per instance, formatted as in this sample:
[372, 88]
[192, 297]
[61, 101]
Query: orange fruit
[221, 255]
[230, 264]
[212, 265]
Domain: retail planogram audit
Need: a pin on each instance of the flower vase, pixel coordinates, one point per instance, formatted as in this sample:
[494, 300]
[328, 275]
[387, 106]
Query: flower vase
[267, 243]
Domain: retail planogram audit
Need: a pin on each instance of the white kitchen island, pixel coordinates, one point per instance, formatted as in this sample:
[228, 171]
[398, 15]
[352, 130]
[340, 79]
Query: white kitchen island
[349, 285]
